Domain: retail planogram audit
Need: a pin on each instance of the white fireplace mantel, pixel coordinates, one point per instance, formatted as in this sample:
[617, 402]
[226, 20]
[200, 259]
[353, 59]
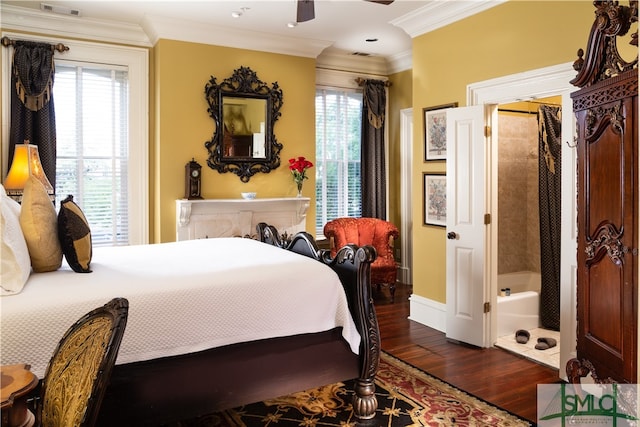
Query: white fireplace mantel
[201, 219]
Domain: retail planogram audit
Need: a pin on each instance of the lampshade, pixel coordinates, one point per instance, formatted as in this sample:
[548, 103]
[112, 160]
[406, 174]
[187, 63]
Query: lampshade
[26, 162]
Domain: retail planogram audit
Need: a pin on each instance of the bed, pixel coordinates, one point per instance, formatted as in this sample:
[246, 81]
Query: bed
[202, 335]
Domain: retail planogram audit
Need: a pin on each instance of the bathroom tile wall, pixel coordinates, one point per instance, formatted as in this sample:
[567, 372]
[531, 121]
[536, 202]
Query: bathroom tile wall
[518, 222]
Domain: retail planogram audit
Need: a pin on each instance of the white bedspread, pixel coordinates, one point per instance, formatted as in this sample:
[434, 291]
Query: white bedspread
[183, 297]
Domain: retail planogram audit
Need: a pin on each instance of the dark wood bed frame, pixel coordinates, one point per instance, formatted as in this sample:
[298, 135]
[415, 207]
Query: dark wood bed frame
[165, 390]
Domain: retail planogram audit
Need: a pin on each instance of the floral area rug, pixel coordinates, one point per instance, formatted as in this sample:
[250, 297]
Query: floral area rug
[406, 396]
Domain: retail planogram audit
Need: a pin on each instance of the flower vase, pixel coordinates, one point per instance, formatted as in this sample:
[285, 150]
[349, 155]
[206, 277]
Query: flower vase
[299, 189]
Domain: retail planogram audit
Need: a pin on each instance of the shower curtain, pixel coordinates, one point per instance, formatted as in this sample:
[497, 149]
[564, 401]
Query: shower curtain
[549, 148]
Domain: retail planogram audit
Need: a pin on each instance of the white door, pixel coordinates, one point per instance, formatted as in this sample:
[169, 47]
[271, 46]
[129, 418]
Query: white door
[467, 150]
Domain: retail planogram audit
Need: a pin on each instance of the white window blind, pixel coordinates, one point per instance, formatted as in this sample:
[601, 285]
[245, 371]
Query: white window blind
[338, 142]
[91, 105]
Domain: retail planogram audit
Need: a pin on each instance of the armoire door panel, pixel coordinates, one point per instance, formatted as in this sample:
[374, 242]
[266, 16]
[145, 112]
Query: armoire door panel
[605, 303]
[605, 187]
[607, 228]
[608, 365]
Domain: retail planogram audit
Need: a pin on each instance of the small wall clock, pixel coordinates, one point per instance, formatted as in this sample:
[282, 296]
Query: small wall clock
[193, 180]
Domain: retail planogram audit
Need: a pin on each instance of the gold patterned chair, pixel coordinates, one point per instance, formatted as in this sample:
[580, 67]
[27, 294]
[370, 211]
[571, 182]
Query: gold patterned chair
[79, 370]
[368, 231]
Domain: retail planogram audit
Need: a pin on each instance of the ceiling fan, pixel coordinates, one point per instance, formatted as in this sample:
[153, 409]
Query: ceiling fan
[306, 10]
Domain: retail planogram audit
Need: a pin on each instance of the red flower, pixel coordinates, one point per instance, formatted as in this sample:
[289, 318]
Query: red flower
[298, 168]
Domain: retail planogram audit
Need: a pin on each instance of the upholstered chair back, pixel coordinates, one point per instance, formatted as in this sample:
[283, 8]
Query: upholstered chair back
[78, 373]
[375, 232]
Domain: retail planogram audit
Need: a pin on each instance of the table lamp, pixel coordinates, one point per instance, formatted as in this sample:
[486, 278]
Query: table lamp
[26, 162]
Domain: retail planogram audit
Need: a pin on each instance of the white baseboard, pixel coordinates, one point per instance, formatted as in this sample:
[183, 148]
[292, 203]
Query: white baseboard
[428, 312]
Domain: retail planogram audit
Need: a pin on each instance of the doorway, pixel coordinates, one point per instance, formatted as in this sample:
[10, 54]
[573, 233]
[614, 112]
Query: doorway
[528, 297]
[533, 85]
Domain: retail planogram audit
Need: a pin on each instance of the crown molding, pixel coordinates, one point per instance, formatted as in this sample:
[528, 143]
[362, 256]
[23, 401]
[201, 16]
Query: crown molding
[332, 59]
[36, 21]
[439, 14]
[400, 62]
[168, 28]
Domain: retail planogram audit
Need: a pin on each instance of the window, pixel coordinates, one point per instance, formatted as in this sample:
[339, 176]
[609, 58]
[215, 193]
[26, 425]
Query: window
[123, 71]
[92, 141]
[338, 128]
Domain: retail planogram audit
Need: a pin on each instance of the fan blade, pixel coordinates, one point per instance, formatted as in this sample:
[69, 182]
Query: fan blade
[381, 1]
[305, 11]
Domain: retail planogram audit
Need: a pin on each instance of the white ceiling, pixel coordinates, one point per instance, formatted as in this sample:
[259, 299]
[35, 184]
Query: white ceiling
[339, 27]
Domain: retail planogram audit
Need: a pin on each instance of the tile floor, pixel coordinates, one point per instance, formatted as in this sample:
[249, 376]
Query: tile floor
[549, 357]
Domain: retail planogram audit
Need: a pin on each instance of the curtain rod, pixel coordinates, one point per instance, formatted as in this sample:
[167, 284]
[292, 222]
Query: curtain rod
[542, 103]
[6, 42]
[506, 110]
[361, 81]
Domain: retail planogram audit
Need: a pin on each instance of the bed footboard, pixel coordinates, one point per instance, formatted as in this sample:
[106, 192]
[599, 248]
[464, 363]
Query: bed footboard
[169, 389]
[353, 266]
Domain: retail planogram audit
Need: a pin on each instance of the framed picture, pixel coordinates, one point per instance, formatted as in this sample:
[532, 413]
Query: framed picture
[435, 131]
[435, 199]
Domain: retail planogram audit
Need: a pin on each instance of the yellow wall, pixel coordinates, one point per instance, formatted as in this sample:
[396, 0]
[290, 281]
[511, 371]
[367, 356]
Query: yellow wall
[399, 98]
[513, 37]
[183, 125]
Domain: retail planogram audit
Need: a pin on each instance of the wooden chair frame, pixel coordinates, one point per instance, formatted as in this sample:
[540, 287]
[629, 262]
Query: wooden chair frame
[80, 368]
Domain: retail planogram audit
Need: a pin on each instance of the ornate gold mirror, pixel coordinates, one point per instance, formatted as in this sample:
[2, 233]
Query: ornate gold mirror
[244, 110]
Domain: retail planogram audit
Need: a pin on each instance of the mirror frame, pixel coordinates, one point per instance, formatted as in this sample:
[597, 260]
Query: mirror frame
[244, 83]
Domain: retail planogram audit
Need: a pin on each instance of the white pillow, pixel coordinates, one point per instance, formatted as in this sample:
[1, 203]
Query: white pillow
[16, 263]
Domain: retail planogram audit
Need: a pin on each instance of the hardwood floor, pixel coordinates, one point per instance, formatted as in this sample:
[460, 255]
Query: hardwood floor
[495, 375]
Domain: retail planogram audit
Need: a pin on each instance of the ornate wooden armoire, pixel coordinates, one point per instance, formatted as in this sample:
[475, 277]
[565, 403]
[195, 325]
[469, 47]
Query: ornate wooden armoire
[606, 109]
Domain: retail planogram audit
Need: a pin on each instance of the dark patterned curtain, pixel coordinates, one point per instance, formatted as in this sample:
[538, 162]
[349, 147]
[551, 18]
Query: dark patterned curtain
[549, 149]
[32, 112]
[373, 160]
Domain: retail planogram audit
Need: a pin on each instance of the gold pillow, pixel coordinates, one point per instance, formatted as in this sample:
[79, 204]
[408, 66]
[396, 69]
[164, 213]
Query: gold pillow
[39, 225]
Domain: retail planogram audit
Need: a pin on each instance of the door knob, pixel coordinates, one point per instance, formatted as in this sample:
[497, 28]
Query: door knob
[452, 235]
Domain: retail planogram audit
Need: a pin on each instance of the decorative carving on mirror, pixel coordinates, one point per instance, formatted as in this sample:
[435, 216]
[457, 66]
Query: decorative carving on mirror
[244, 110]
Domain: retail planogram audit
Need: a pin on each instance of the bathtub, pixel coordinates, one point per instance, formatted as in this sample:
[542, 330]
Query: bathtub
[520, 281]
[520, 310]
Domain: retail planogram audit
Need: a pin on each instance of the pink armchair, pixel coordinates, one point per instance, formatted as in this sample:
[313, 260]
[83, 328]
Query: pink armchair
[368, 231]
